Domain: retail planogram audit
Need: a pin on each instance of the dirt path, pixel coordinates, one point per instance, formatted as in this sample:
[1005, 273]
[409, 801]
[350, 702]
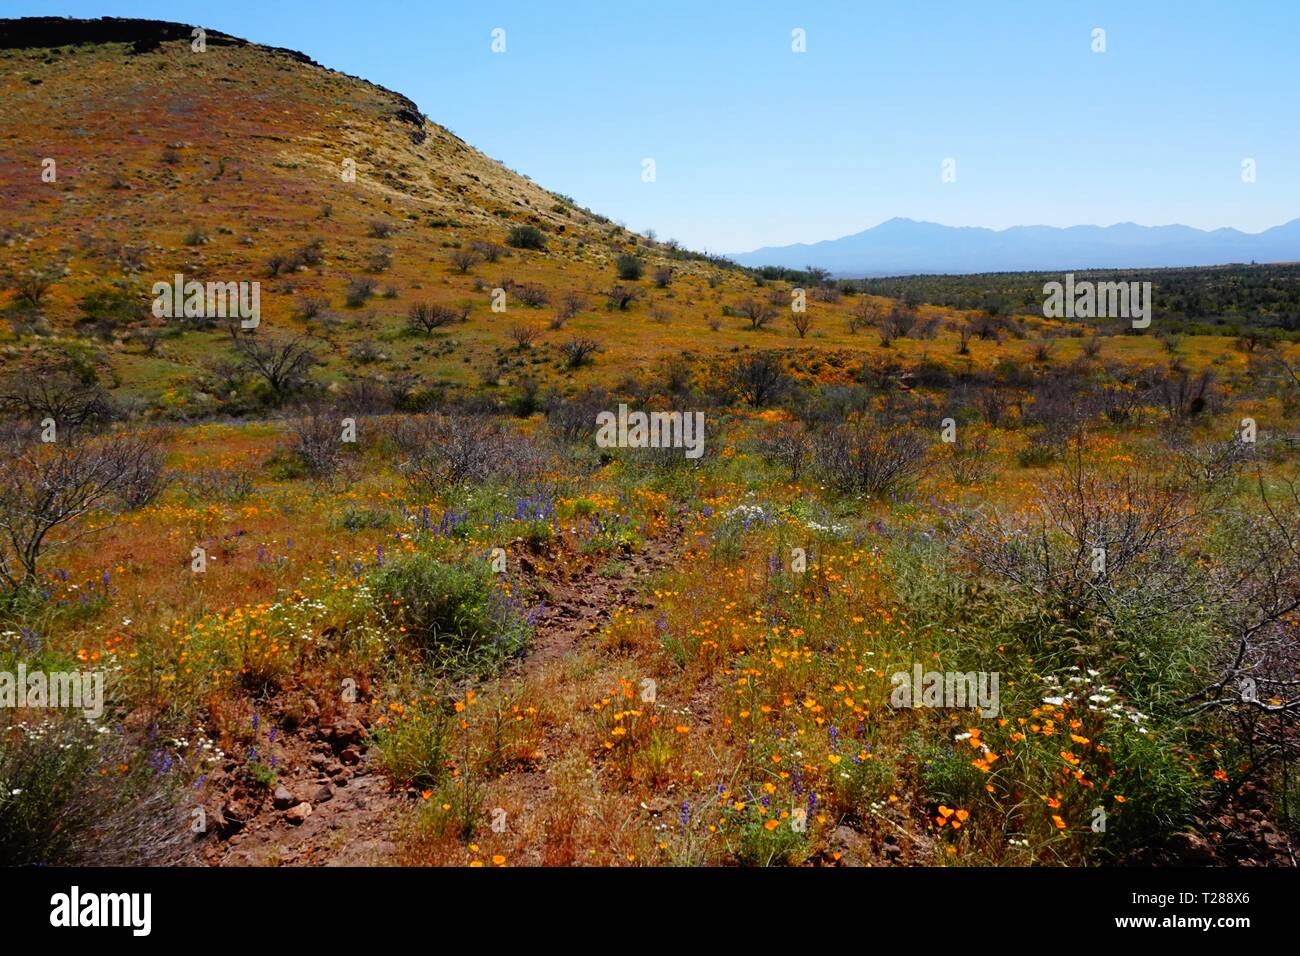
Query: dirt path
[330, 808]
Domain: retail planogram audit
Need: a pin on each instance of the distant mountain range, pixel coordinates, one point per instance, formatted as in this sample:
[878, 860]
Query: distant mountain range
[908, 247]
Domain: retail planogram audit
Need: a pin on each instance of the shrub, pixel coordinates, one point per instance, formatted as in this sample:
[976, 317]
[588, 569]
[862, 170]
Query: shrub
[283, 364]
[574, 419]
[356, 518]
[359, 290]
[620, 297]
[523, 335]
[457, 613]
[629, 267]
[577, 351]
[526, 237]
[862, 458]
[439, 451]
[760, 379]
[318, 441]
[464, 260]
[65, 800]
[412, 749]
[531, 294]
[488, 251]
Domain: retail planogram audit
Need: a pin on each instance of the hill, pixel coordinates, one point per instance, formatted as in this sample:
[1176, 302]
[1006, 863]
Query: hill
[249, 163]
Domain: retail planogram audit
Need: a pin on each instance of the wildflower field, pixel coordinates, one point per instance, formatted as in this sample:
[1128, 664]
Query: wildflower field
[943, 586]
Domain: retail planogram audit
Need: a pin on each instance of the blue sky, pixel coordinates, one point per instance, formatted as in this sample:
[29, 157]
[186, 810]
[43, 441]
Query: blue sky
[757, 145]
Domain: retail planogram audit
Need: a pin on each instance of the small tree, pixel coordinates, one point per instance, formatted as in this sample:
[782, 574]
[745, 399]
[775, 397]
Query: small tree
[865, 313]
[577, 351]
[802, 322]
[758, 313]
[283, 364]
[427, 316]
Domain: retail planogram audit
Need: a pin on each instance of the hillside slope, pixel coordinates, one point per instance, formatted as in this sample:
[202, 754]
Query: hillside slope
[211, 164]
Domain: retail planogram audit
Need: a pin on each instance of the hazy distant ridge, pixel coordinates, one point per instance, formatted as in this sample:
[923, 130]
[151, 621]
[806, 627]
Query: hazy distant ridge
[903, 246]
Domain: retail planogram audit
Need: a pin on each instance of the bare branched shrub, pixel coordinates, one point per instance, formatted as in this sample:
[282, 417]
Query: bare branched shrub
[464, 260]
[359, 291]
[1258, 588]
[380, 228]
[865, 313]
[802, 322]
[759, 379]
[488, 251]
[31, 285]
[789, 445]
[578, 350]
[1118, 402]
[531, 294]
[964, 333]
[146, 482]
[228, 485]
[1213, 464]
[379, 260]
[897, 323]
[1094, 544]
[574, 419]
[620, 297]
[1183, 394]
[440, 451]
[310, 307]
[967, 459]
[47, 489]
[73, 400]
[863, 458]
[571, 303]
[523, 335]
[318, 441]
